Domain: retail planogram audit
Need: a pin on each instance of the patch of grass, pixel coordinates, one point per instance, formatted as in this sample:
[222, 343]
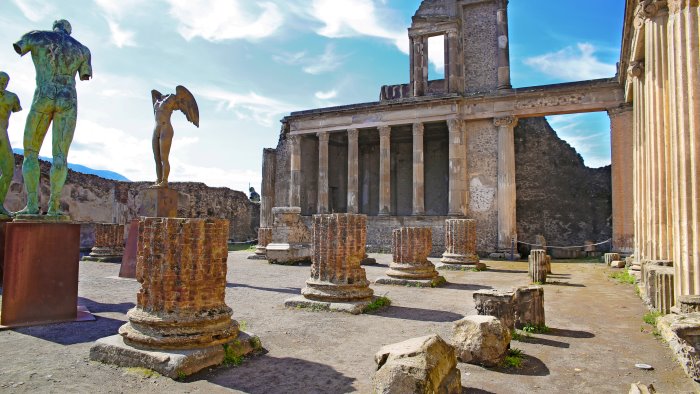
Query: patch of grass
[514, 359]
[439, 282]
[478, 269]
[231, 358]
[537, 283]
[541, 329]
[242, 325]
[520, 336]
[241, 247]
[145, 372]
[623, 277]
[651, 317]
[255, 343]
[181, 376]
[377, 304]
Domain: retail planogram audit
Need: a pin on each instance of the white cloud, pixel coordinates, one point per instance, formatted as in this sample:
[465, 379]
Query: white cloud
[35, 10]
[326, 95]
[217, 20]
[263, 110]
[119, 9]
[121, 38]
[436, 52]
[572, 63]
[328, 61]
[351, 18]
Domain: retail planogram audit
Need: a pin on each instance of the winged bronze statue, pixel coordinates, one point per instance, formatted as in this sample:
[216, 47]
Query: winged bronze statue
[163, 107]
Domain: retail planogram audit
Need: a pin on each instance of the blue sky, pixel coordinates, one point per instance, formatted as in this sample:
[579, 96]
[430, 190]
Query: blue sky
[249, 63]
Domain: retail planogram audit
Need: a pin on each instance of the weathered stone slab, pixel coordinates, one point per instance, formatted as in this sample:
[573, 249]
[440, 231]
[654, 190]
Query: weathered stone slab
[682, 333]
[688, 303]
[529, 306]
[159, 202]
[291, 239]
[170, 363]
[496, 303]
[352, 307]
[419, 365]
[618, 264]
[481, 340]
[434, 282]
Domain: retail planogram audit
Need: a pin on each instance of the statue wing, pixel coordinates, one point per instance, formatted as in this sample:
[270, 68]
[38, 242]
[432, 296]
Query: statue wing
[155, 96]
[188, 105]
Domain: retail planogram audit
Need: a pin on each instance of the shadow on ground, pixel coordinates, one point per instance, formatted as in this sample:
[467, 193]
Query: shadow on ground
[287, 290]
[469, 390]
[464, 286]
[417, 314]
[545, 342]
[560, 283]
[505, 271]
[280, 375]
[561, 332]
[531, 366]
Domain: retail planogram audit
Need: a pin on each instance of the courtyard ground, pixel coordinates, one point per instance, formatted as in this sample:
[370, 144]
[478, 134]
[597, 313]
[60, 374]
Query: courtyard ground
[596, 336]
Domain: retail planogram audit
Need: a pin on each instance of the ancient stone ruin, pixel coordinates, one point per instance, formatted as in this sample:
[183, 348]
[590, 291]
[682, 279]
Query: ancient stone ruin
[109, 243]
[291, 239]
[410, 265]
[520, 307]
[481, 340]
[538, 266]
[460, 245]
[264, 239]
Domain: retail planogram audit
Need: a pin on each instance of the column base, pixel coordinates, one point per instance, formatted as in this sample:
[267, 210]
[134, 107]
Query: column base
[288, 254]
[352, 307]
[433, 282]
[171, 363]
[319, 290]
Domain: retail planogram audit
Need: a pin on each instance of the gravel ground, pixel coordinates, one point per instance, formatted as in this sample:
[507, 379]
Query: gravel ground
[596, 336]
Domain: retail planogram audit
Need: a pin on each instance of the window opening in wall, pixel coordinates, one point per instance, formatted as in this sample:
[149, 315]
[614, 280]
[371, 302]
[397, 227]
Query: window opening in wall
[436, 63]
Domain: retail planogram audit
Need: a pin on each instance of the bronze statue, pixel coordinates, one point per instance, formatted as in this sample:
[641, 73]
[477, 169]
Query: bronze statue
[9, 103]
[163, 107]
[57, 57]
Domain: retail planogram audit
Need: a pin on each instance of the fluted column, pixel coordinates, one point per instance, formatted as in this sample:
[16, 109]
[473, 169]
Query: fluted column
[418, 170]
[295, 171]
[656, 85]
[506, 181]
[458, 192]
[622, 148]
[353, 171]
[323, 172]
[684, 80]
[636, 74]
[503, 46]
[385, 170]
[267, 198]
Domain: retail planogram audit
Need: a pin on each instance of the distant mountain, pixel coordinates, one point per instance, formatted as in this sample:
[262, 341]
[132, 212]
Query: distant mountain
[85, 170]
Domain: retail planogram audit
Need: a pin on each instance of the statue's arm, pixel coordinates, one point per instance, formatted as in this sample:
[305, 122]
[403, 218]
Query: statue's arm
[17, 106]
[24, 45]
[86, 67]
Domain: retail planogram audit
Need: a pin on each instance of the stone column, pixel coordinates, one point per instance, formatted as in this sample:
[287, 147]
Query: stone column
[622, 152]
[636, 74]
[506, 181]
[503, 45]
[353, 172]
[419, 65]
[537, 266]
[460, 244]
[267, 192]
[323, 172]
[656, 67]
[336, 276]
[458, 192]
[384, 170]
[684, 84]
[264, 239]
[529, 306]
[109, 243]
[454, 62]
[418, 170]
[295, 171]
[497, 303]
[182, 271]
[411, 247]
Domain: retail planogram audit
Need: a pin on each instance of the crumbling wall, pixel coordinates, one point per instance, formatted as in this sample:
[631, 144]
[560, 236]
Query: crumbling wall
[92, 199]
[557, 195]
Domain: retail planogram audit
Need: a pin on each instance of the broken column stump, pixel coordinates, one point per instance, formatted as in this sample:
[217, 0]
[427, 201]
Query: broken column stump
[181, 322]
[109, 243]
[529, 306]
[411, 247]
[416, 366]
[496, 303]
[460, 245]
[537, 266]
[610, 257]
[337, 281]
[664, 297]
[481, 340]
[682, 333]
[291, 239]
[688, 303]
[264, 239]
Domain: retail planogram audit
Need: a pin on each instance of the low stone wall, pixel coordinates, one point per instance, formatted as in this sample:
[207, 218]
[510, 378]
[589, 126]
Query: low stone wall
[379, 231]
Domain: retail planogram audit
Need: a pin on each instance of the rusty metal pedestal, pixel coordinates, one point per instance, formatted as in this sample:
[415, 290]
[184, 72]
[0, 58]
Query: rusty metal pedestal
[40, 284]
[128, 268]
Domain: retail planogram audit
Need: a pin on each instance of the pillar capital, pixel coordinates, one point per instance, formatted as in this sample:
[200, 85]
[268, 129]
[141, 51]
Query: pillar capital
[384, 131]
[418, 129]
[622, 109]
[636, 69]
[505, 121]
[294, 138]
[323, 136]
[455, 125]
[353, 133]
[676, 6]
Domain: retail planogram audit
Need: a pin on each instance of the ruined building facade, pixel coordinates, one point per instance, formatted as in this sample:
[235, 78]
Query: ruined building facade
[432, 150]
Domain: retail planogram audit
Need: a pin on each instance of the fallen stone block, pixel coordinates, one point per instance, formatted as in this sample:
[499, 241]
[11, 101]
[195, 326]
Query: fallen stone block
[496, 303]
[529, 306]
[481, 340]
[682, 333]
[617, 264]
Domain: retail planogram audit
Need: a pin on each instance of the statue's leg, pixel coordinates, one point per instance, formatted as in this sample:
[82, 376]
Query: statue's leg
[63, 131]
[156, 155]
[7, 166]
[166, 141]
[34, 132]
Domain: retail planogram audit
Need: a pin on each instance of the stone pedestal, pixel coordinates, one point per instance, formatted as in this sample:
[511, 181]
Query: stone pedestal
[688, 303]
[40, 283]
[264, 239]
[180, 306]
[496, 303]
[664, 296]
[529, 306]
[411, 247]
[337, 281]
[682, 333]
[291, 240]
[128, 268]
[460, 245]
[537, 266]
[610, 257]
[158, 202]
[647, 282]
[109, 243]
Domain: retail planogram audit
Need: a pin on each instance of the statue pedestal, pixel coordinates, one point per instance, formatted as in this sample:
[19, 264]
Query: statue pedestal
[159, 202]
[128, 268]
[40, 284]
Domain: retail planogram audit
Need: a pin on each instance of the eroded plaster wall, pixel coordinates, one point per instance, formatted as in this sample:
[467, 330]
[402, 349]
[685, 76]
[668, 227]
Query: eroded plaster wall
[482, 166]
